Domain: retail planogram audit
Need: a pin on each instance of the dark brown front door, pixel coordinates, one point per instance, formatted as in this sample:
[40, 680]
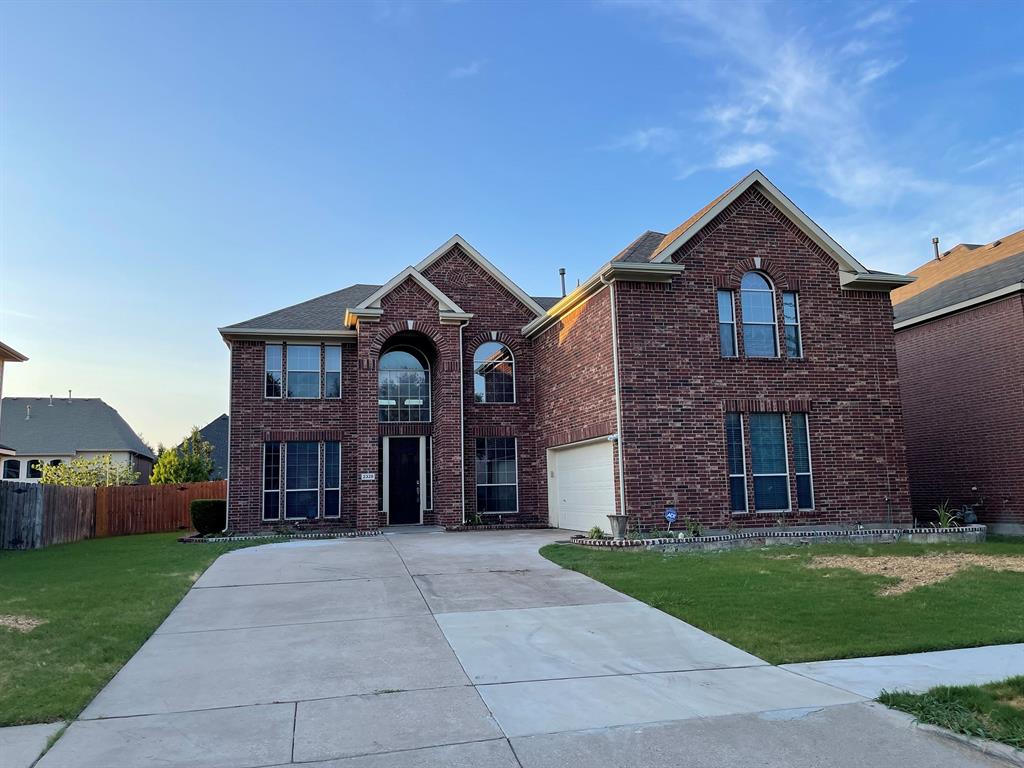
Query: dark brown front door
[403, 480]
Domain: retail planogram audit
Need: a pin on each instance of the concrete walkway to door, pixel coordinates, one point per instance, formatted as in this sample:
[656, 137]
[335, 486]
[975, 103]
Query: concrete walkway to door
[424, 649]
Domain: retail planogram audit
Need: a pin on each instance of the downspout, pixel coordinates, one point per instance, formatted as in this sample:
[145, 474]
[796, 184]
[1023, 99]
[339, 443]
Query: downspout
[462, 426]
[618, 394]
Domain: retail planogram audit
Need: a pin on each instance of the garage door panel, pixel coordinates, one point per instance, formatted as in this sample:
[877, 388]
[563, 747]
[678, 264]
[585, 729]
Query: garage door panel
[584, 486]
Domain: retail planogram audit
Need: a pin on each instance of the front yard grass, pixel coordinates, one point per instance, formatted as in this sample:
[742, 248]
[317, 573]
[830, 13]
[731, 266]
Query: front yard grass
[770, 603]
[87, 607]
[994, 711]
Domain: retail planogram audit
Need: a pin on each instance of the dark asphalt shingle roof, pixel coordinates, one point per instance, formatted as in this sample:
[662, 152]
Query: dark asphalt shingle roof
[642, 249]
[963, 287]
[327, 312]
[216, 434]
[81, 424]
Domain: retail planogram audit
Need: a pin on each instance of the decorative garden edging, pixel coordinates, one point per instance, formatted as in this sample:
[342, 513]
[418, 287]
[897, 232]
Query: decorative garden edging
[768, 538]
[499, 527]
[258, 536]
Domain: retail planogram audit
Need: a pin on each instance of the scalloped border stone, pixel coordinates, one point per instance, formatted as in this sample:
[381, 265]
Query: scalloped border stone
[268, 536]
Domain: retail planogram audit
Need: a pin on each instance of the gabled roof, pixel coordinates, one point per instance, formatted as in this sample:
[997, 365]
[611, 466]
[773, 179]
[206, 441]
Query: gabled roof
[478, 257]
[324, 314]
[852, 274]
[67, 426]
[642, 249]
[444, 303]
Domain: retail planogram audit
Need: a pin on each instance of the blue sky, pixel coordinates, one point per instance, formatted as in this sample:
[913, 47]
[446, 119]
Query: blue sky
[169, 168]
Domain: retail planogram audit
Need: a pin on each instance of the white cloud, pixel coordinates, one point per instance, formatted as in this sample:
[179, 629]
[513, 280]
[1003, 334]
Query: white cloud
[469, 70]
[877, 68]
[657, 139]
[743, 154]
[878, 17]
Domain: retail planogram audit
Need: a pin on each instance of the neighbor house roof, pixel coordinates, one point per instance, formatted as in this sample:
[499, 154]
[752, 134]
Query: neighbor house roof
[65, 427]
[967, 274]
[216, 434]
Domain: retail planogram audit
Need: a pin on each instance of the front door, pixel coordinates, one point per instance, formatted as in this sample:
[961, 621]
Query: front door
[403, 480]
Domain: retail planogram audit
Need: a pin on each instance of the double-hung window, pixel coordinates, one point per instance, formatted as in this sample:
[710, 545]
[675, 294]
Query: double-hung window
[802, 461]
[272, 368]
[726, 324]
[332, 371]
[757, 303]
[496, 486]
[332, 479]
[303, 371]
[736, 458]
[494, 378]
[791, 323]
[302, 480]
[271, 481]
[768, 462]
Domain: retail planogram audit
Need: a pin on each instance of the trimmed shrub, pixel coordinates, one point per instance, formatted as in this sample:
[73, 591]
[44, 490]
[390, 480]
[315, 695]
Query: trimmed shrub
[209, 515]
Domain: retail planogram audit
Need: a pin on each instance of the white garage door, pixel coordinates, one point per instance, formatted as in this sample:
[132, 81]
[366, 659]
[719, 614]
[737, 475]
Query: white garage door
[582, 491]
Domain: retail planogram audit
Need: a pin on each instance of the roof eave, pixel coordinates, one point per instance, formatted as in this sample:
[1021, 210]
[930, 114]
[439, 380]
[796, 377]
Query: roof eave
[873, 281]
[960, 306]
[245, 333]
[10, 354]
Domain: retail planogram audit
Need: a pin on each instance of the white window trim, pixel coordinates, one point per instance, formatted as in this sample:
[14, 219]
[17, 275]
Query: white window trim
[319, 372]
[810, 464]
[515, 445]
[263, 482]
[785, 453]
[797, 324]
[286, 490]
[775, 316]
[280, 371]
[515, 394]
[337, 512]
[341, 355]
[430, 387]
[733, 323]
[743, 458]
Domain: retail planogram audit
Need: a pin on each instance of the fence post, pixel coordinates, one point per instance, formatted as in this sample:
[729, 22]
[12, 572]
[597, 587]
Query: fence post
[102, 513]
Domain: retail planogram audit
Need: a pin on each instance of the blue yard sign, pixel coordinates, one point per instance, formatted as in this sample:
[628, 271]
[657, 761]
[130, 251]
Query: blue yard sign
[671, 515]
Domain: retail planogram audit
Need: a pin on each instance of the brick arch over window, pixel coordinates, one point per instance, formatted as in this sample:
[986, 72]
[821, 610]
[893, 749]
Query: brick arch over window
[384, 334]
[507, 339]
[780, 280]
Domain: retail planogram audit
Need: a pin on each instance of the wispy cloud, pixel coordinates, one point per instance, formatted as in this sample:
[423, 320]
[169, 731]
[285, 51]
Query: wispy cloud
[657, 139]
[469, 70]
[785, 94]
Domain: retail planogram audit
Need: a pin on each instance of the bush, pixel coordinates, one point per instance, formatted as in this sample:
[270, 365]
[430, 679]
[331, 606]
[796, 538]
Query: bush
[595, 533]
[209, 515]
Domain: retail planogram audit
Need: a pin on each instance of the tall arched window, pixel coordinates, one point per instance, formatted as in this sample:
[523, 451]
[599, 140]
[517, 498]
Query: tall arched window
[403, 389]
[494, 374]
[757, 302]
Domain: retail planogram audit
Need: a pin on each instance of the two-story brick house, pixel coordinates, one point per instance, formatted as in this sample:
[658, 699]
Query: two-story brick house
[739, 368]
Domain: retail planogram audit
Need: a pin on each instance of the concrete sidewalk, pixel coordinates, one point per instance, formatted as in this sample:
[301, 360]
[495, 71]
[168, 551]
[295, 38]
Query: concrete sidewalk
[440, 649]
[917, 672]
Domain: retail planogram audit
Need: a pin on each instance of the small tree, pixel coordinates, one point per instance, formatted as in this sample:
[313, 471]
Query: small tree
[96, 471]
[190, 462]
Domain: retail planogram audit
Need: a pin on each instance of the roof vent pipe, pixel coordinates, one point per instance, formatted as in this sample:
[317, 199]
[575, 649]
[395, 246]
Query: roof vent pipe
[28, 412]
[51, 401]
[69, 395]
[561, 276]
[935, 245]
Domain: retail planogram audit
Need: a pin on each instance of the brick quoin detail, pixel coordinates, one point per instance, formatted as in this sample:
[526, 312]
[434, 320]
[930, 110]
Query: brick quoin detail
[675, 388]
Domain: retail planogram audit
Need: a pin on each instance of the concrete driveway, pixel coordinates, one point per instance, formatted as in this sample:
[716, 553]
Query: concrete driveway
[423, 649]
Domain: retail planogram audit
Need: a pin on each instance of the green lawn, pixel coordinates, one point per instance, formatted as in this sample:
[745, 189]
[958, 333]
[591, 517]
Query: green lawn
[100, 599]
[769, 603]
[994, 711]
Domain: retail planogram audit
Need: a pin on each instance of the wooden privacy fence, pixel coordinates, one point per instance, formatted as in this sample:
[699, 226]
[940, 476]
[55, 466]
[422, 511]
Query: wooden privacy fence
[126, 509]
[34, 515]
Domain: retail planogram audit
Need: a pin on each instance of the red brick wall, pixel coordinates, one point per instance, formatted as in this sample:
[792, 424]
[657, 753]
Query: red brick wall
[252, 416]
[962, 385]
[676, 387]
[495, 309]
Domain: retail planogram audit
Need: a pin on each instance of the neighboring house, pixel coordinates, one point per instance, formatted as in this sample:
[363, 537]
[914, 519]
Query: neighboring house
[7, 355]
[216, 434]
[49, 430]
[739, 368]
[960, 343]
